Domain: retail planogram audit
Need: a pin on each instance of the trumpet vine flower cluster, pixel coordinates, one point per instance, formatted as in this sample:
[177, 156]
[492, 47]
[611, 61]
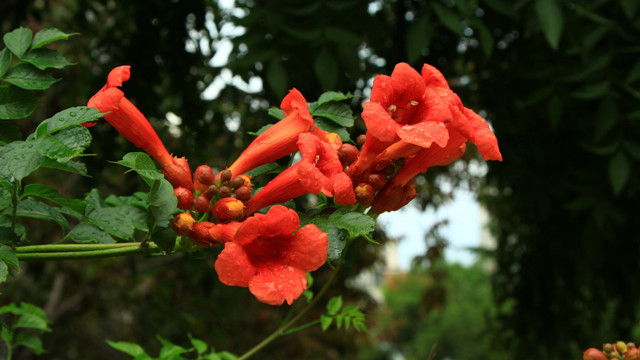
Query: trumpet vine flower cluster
[414, 121]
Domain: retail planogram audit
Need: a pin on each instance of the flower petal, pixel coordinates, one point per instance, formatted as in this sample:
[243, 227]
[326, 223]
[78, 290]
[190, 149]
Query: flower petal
[118, 75]
[379, 123]
[424, 134]
[233, 266]
[308, 249]
[433, 77]
[274, 283]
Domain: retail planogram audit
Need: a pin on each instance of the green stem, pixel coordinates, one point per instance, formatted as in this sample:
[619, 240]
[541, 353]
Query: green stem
[302, 327]
[90, 254]
[71, 247]
[282, 330]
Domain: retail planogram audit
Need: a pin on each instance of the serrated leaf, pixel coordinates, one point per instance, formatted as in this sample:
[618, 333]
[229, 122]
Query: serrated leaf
[326, 69]
[69, 166]
[28, 77]
[334, 304]
[67, 118]
[90, 234]
[19, 159]
[162, 203]
[5, 61]
[551, 20]
[448, 18]
[18, 40]
[127, 347]
[46, 58]
[142, 164]
[66, 144]
[325, 322]
[16, 103]
[8, 256]
[339, 113]
[50, 193]
[337, 237]
[38, 210]
[49, 35]
[31, 341]
[619, 170]
[113, 220]
[355, 223]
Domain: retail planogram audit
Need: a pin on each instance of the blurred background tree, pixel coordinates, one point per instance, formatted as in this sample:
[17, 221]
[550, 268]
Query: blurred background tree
[559, 80]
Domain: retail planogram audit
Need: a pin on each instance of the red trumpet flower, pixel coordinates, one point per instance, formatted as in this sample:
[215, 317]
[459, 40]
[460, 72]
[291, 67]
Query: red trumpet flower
[134, 126]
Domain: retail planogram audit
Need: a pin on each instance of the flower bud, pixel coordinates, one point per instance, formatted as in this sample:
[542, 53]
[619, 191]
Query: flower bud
[225, 175]
[377, 180]
[204, 175]
[243, 193]
[183, 224]
[224, 191]
[607, 348]
[201, 235]
[593, 354]
[211, 190]
[365, 193]
[361, 139]
[348, 154]
[202, 204]
[185, 197]
[228, 209]
[236, 182]
[621, 346]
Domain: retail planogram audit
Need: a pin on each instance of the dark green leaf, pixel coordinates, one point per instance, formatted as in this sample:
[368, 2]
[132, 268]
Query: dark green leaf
[114, 220]
[277, 77]
[5, 198]
[49, 35]
[18, 41]
[419, 37]
[326, 69]
[5, 61]
[19, 159]
[263, 169]
[551, 20]
[330, 126]
[556, 108]
[127, 347]
[592, 91]
[339, 113]
[334, 304]
[342, 36]
[38, 210]
[633, 148]
[486, 39]
[66, 144]
[619, 170]
[503, 7]
[46, 58]
[30, 78]
[52, 194]
[31, 341]
[70, 166]
[8, 256]
[605, 118]
[276, 113]
[630, 7]
[331, 96]
[67, 118]
[585, 72]
[634, 73]
[337, 237]
[448, 18]
[86, 233]
[16, 103]
[325, 322]
[162, 203]
[166, 239]
[143, 165]
[357, 224]
[4, 272]
[9, 133]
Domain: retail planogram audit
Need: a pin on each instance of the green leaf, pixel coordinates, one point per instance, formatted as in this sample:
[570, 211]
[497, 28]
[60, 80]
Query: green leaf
[49, 35]
[339, 113]
[162, 203]
[634, 73]
[419, 38]
[486, 39]
[337, 237]
[52, 194]
[274, 112]
[85, 233]
[332, 96]
[143, 165]
[127, 347]
[30, 321]
[619, 170]
[31, 341]
[326, 69]
[19, 159]
[334, 304]
[277, 77]
[67, 118]
[66, 144]
[605, 118]
[633, 148]
[551, 20]
[28, 77]
[113, 220]
[46, 58]
[5, 61]
[503, 7]
[331, 126]
[448, 18]
[169, 350]
[325, 322]
[9, 133]
[263, 169]
[8, 256]
[16, 103]
[166, 239]
[629, 7]
[18, 41]
[38, 210]
[69, 166]
[4, 272]
[199, 345]
[592, 91]
[355, 223]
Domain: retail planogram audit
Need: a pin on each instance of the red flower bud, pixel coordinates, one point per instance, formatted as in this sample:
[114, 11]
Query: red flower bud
[211, 190]
[225, 175]
[183, 224]
[203, 176]
[202, 204]
[206, 233]
[224, 191]
[365, 193]
[243, 193]
[236, 182]
[228, 209]
[377, 180]
[185, 197]
[594, 354]
[361, 139]
[348, 153]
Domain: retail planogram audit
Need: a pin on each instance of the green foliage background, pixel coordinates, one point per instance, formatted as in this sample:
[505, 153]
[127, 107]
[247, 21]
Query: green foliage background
[558, 79]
